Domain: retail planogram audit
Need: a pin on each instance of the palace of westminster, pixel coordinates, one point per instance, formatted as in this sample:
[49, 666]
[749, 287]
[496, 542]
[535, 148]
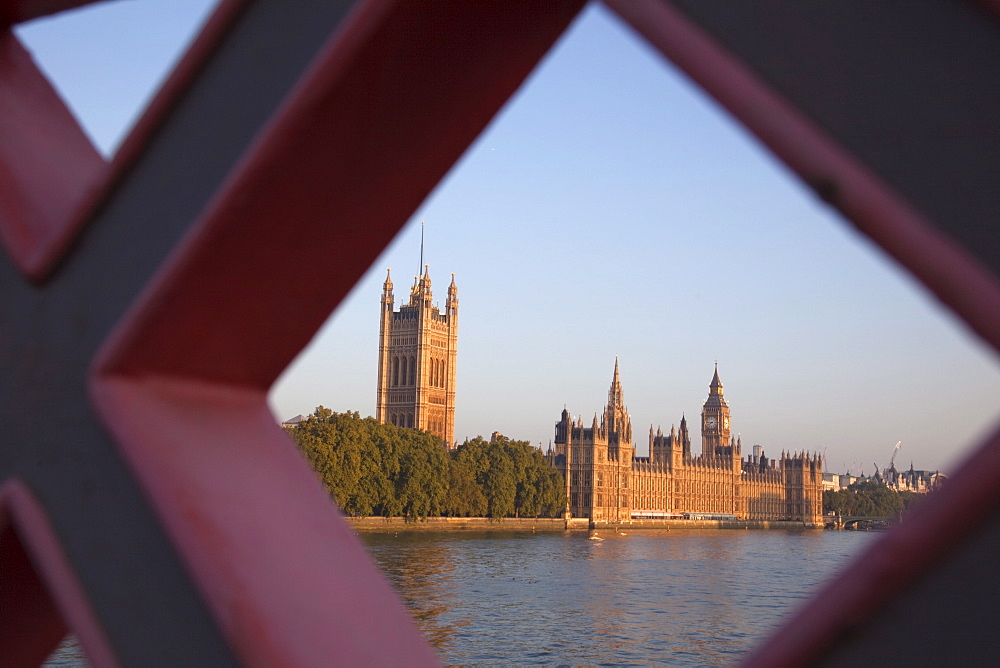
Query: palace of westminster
[605, 480]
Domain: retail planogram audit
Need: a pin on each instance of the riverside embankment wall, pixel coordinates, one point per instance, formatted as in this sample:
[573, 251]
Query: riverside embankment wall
[536, 525]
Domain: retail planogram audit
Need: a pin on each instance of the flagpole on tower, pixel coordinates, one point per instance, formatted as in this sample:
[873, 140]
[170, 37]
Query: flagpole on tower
[421, 268]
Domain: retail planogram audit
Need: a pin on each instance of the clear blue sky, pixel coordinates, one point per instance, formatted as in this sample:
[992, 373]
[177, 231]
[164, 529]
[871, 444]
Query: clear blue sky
[611, 209]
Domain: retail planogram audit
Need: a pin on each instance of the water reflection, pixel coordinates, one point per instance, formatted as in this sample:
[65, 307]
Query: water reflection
[679, 597]
[420, 571]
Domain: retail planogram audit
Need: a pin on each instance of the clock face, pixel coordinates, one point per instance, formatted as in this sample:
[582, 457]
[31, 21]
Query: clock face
[711, 422]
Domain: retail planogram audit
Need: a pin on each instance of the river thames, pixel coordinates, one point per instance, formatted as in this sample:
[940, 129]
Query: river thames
[679, 598]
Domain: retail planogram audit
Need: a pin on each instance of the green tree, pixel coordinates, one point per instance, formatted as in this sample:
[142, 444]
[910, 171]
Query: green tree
[318, 437]
[868, 498]
[836, 501]
[423, 476]
[380, 469]
[465, 496]
[515, 478]
[499, 485]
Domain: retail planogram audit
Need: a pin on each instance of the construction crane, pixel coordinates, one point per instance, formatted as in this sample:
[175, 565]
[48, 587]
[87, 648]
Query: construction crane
[892, 459]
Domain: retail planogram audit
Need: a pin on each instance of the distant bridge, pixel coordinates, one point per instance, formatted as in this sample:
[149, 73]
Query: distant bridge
[852, 521]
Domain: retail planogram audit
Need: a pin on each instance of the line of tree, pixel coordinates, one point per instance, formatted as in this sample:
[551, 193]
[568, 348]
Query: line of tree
[374, 469]
[869, 498]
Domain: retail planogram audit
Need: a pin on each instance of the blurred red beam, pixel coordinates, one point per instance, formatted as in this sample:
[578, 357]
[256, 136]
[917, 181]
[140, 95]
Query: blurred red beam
[391, 103]
[19, 11]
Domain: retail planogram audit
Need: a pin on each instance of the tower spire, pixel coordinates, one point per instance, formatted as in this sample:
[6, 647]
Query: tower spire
[421, 246]
[716, 385]
[615, 393]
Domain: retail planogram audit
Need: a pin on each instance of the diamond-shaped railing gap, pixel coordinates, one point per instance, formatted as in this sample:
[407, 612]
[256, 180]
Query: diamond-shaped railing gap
[107, 60]
[579, 199]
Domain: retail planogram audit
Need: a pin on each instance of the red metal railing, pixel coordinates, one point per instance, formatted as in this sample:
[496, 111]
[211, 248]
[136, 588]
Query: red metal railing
[145, 314]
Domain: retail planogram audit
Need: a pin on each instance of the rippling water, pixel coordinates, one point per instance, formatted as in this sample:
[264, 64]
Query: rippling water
[671, 597]
[674, 597]
[68, 653]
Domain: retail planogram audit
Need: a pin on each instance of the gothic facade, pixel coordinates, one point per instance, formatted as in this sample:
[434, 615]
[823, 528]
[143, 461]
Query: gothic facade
[607, 482]
[418, 348]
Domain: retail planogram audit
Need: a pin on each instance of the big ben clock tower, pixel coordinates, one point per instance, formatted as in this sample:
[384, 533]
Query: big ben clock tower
[715, 421]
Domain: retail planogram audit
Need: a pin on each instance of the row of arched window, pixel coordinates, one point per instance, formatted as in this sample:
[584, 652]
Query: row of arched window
[437, 373]
[401, 419]
[406, 420]
[404, 371]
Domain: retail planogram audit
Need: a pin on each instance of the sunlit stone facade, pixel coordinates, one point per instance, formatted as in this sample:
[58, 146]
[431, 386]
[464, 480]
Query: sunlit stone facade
[607, 482]
[418, 347]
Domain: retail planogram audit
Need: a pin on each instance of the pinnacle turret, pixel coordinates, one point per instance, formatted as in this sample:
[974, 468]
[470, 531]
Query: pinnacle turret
[387, 299]
[715, 386]
[425, 281]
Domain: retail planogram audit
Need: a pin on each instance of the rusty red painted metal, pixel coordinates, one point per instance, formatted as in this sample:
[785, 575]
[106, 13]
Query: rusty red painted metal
[293, 213]
[185, 376]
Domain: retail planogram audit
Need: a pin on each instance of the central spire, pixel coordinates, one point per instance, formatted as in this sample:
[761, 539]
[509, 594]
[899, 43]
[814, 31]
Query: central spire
[615, 393]
[616, 420]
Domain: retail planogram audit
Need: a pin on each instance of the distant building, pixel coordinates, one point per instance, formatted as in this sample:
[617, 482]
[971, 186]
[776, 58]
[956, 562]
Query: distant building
[418, 348]
[292, 423]
[607, 482]
[913, 480]
[838, 481]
